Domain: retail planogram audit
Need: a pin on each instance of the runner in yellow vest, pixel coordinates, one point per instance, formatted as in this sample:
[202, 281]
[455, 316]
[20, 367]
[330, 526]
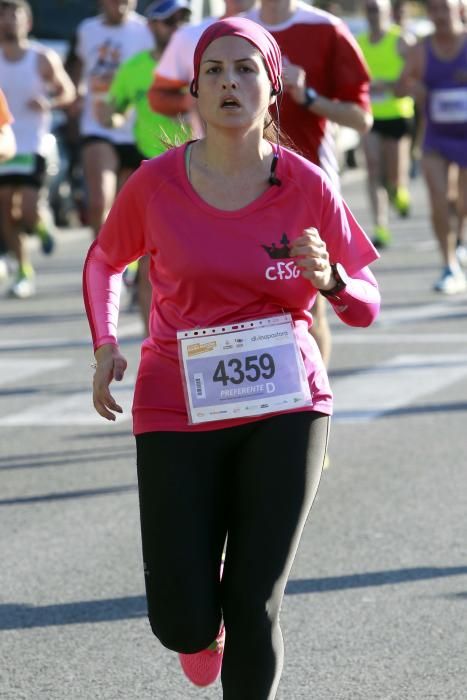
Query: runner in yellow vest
[387, 145]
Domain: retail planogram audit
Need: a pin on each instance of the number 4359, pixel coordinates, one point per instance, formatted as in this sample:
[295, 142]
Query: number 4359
[251, 368]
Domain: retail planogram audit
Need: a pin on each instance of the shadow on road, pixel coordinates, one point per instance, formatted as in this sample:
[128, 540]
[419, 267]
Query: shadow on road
[374, 414]
[85, 493]
[17, 616]
[396, 368]
[371, 578]
[60, 459]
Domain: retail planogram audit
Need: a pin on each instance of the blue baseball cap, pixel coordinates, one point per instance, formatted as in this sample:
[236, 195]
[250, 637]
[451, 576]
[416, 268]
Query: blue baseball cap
[162, 9]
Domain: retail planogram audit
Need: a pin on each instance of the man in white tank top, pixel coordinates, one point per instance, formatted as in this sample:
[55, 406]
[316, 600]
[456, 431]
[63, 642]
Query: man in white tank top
[109, 155]
[34, 82]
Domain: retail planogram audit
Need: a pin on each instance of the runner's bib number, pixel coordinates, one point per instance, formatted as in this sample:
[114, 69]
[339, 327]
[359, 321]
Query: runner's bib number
[449, 106]
[246, 369]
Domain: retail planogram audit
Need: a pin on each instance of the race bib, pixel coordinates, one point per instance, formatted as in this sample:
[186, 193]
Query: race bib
[449, 106]
[245, 369]
[19, 165]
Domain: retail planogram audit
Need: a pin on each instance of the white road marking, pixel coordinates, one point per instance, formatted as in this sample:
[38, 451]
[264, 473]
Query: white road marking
[363, 396]
[16, 370]
[368, 394]
[75, 409]
[127, 330]
[444, 310]
[373, 337]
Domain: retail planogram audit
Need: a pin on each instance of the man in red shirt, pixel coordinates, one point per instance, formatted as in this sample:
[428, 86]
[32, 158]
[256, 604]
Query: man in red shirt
[325, 74]
[326, 80]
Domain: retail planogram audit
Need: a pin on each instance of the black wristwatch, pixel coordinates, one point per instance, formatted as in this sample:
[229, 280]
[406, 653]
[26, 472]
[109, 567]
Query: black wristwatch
[310, 97]
[341, 278]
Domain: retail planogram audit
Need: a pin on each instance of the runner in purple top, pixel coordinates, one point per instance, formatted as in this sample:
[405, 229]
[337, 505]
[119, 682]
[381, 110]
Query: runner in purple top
[446, 105]
[436, 75]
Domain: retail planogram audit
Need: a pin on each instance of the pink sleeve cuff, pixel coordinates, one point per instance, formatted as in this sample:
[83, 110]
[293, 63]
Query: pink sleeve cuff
[102, 283]
[359, 303]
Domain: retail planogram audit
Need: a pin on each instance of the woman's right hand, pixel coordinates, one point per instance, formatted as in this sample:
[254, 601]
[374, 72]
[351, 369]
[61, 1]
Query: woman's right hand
[110, 364]
[294, 78]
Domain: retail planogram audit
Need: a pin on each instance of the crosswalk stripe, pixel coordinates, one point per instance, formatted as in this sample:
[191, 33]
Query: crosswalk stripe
[15, 370]
[127, 330]
[410, 313]
[363, 396]
[75, 409]
[370, 393]
[374, 337]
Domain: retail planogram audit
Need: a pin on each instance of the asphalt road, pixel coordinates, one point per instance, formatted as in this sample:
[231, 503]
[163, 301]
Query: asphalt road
[376, 607]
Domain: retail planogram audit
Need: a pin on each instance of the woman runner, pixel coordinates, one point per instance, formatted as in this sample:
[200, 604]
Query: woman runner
[232, 402]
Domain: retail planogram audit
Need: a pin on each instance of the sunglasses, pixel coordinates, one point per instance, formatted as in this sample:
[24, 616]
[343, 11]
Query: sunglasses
[174, 20]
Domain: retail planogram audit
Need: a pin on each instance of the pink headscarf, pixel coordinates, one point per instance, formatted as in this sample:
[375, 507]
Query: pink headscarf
[252, 32]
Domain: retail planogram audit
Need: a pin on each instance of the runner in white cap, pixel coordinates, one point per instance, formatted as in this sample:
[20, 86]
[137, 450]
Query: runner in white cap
[169, 93]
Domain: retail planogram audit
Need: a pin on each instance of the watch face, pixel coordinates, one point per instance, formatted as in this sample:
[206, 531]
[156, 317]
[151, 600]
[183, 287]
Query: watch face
[340, 270]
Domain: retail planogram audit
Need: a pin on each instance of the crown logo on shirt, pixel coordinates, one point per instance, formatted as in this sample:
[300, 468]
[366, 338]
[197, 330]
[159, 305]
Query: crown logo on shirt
[277, 252]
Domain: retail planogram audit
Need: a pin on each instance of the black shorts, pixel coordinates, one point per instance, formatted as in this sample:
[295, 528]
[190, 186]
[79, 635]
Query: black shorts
[393, 128]
[129, 157]
[34, 177]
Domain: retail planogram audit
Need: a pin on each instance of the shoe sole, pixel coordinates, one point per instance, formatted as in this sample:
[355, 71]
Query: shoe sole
[450, 292]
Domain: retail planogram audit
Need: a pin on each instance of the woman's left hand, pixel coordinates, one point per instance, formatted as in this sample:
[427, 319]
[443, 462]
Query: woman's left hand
[312, 258]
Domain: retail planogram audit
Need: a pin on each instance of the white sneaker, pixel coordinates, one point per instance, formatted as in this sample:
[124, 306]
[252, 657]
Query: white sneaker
[22, 288]
[461, 254]
[451, 281]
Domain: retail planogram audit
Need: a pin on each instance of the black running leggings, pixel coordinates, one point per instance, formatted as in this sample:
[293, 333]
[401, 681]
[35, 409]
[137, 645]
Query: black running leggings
[253, 484]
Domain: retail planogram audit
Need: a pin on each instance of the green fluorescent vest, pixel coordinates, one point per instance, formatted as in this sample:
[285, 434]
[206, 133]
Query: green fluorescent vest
[385, 63]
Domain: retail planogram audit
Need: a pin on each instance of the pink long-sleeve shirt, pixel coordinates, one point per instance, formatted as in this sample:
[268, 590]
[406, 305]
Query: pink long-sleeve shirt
[211, 267]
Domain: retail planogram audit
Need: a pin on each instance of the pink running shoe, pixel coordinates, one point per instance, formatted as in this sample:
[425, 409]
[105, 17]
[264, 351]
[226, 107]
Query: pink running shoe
[204, 667]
